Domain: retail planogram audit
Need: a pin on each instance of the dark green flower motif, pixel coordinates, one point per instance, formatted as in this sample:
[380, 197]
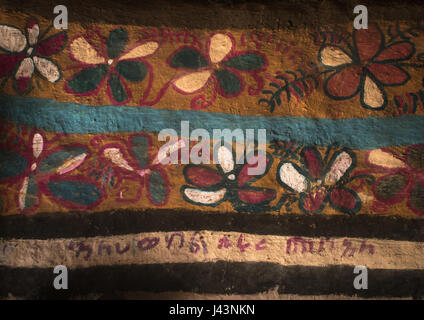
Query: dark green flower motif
[222, 65]
[113, 65]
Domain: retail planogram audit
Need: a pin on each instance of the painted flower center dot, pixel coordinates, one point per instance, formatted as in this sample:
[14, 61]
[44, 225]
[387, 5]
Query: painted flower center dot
[33, 167]
[231, 177]
[29, 51]
[110, 61]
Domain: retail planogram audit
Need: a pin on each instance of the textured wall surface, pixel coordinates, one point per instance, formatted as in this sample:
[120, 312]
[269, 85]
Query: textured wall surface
[83, 184]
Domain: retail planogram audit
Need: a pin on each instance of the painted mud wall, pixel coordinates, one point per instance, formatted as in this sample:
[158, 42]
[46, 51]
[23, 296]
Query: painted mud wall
[81, 178]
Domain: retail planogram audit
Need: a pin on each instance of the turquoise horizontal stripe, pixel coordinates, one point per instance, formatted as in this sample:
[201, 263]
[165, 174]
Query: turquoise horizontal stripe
[366, 133]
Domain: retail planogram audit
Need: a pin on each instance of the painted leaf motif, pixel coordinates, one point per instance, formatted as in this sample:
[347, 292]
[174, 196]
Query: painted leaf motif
[27, 197]
[134, 71]
[11, 164]
[246, 62]
[228, 81]
[345, 200]
[188, 58]
[140, 147]
[88, 79]
[116, 42]
[61, 160]
[157, 188]
[75, 192]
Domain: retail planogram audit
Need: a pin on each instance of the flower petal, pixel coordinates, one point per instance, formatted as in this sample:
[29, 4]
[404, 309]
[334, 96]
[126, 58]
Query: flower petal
[133, 71]
[391, 188]
[341, 162]
[12, 164]
[219, 46]
[116, 42]
[345, 200]
[74, 192]
[416, 198]
[71, 164]
[118, 91]
[367, 42]
[312, 160]
[249, 61]
[225, 159]
[333, 56]
[115, 155]
[87, 80]
[33, 31]
[388, 74]
[313, 202]
[52, 45]
[12, 39]
[8, 62]
[256, 195]
[201, 176]
[61, 160]
[140, 147]
[384, 159]
[229, 83]
[290, 178]
[82, 51]
[47, 69]
[211, 198]
[187, 58]
[140, 51]
[344, 84]
[415, 157]
[193, 82]
[244, 177]
[37, 144]
[396, 52]
[27, 197]
[157, 187]
[373, 95]
[24, 75]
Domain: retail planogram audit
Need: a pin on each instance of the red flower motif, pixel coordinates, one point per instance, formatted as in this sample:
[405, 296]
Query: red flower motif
[27, 53]
[404, 178]
[369, 67]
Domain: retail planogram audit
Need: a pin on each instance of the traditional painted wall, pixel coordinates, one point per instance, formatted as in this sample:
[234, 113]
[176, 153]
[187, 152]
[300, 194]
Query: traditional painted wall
[82, 184]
